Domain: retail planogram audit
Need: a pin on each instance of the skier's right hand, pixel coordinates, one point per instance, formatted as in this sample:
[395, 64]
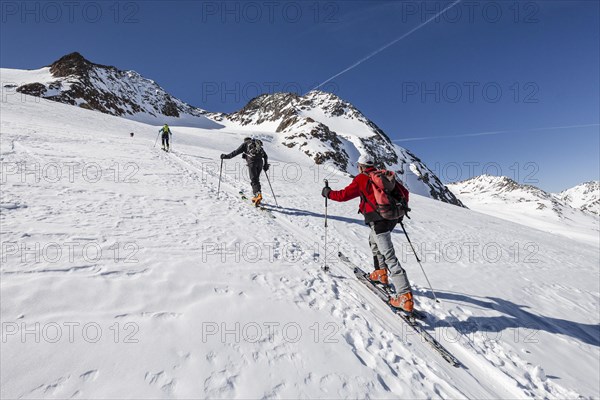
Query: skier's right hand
[325, 192]
[223, 156]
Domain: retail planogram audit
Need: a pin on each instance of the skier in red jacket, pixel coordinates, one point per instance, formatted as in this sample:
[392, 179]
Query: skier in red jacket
[380, 238]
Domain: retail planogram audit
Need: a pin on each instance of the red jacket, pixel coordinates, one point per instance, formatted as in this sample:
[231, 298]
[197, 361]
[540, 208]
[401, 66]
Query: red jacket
[354, 190]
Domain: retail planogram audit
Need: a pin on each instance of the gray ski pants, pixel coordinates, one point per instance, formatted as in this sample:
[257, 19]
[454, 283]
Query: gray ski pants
[383, 250]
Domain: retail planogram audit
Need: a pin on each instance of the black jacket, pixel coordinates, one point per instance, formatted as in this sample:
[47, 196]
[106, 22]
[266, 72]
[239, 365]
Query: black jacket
[249, 159]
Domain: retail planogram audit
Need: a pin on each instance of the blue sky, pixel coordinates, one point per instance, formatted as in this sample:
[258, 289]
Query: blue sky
[510, 66]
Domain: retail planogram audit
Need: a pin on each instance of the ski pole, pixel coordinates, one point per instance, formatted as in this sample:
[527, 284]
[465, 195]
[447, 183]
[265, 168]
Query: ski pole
[268, 180]
[419, 261]
[220, 172]
[325, 267]
[156, 141]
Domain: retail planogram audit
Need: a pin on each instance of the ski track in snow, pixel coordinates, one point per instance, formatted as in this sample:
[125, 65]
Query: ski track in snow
[514, 325]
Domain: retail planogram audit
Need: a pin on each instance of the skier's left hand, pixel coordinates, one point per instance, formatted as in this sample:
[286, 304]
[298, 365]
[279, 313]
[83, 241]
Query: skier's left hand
[266, 167]
[325, 192]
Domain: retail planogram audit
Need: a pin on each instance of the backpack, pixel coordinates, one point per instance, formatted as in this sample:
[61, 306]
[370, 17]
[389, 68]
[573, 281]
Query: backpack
[254, 148]
[391, 197]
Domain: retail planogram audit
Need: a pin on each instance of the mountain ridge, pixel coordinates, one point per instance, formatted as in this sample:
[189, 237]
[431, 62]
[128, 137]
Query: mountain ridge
[500, 186]
[328, 128]
[321, 125]
[529, 205]
[585, 197]
[74, 80]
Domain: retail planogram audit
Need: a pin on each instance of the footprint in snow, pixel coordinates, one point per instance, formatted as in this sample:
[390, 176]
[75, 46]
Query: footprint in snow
[222, 290]
[161, 380]
[89, 376]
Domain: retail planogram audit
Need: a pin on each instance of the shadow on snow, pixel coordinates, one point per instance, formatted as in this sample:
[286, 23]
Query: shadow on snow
[516, 316]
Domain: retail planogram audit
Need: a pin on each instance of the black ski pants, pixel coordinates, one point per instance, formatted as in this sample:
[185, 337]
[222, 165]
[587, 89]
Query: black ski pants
[255, 168]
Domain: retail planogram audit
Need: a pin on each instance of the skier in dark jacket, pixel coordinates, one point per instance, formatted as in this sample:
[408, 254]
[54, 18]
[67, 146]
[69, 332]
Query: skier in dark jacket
[380, 238]
[254, 154]
[166, 132]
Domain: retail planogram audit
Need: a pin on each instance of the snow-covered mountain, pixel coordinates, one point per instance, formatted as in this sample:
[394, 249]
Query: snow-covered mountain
[329, 129]
[501, 188]
[123, 275]
[320, 125]
[74, 80]
[502, 197]
[585, 197]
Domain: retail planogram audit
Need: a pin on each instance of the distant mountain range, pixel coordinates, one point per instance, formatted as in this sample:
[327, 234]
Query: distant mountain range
[585, 197]
[566, 213]
[488, 188]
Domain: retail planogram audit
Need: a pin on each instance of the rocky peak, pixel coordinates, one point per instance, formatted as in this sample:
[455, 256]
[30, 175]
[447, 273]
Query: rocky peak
[590, 187]
[316, 116]
[74, 80]
[331, 104]
[502, 188]
[71, 64]
[329, 129]
[585, 197]
[265, 108]
[273, 107]
[492, 183]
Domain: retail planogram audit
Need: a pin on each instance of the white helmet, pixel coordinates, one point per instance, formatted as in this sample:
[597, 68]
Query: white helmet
[366, 159]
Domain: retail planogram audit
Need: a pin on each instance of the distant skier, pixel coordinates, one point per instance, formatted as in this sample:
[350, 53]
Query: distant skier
[166, 132]
[380, 238]
[254, 154]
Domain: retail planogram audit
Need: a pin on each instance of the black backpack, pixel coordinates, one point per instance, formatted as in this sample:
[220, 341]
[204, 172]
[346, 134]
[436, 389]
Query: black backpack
[254, 148]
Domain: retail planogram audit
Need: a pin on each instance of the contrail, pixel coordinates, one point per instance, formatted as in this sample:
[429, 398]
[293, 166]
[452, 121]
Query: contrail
[495, 132]
[356, 64]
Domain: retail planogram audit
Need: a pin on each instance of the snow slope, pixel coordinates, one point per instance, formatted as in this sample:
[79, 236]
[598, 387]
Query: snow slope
[504, 198]
[179, 294]
[585, 197]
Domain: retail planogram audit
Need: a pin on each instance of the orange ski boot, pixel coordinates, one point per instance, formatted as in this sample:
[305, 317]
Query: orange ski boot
[403, 301]
[257, 199]
[380, 276]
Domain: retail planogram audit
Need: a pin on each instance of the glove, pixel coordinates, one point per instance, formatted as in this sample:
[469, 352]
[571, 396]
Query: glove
[325, 192]
[223, 156]
[266, 167]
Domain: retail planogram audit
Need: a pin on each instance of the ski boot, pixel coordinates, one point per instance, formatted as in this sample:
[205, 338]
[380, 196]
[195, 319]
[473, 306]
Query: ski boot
[257, 199]
[379, 276]
[403, 302]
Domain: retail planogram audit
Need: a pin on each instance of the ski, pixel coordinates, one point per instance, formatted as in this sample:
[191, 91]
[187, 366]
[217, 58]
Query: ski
[409, 319]
[382, 293]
